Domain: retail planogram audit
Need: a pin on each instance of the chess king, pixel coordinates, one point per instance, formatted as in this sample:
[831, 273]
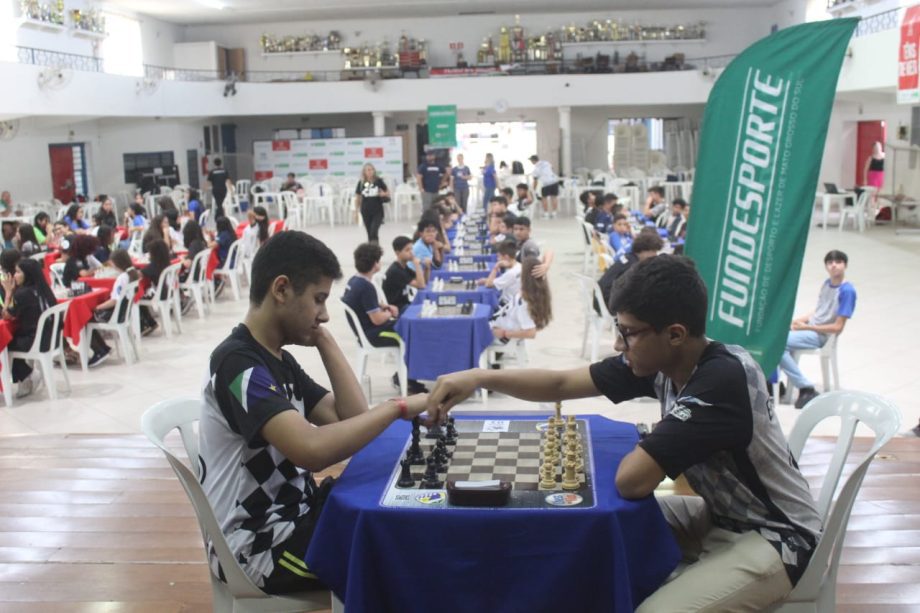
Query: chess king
[754, 525]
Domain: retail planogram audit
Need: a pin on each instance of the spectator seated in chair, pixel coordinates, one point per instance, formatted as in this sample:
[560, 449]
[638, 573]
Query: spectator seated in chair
[528, 311]
[621, 237]
[400, 277]
[27, 296]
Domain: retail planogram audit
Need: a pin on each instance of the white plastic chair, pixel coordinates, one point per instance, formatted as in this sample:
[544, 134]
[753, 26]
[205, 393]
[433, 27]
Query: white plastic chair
[830, 374]
[53, 317]
[815, 591]
[406, 197]
[587, 233]
[858, 211]
[239, 593]
[320, 202]
[170, 306]
[232, 270]
[196, 283]
[120, 323]
[365, 350]
[57, 276]
[596, 319]
[292, 210]
[514, 352]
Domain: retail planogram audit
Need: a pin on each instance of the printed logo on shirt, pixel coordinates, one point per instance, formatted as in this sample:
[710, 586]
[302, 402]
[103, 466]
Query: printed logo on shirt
[680, 412]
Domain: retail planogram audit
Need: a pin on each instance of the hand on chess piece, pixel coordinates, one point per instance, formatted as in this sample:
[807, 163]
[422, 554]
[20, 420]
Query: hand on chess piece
[448, 391]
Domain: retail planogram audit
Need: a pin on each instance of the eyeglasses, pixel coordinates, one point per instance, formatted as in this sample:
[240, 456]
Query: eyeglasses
[625, 334]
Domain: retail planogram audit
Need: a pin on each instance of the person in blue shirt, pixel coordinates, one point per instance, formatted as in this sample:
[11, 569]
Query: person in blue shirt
[425, 248]
[488, 180]
[603, 216]
[621, 238]
[429, 176]
[74, 218]
[836, 303]
[460, 177]
[195, 208]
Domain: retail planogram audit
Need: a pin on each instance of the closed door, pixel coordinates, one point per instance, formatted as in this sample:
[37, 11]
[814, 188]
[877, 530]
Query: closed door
[68, 171]
[867, 134]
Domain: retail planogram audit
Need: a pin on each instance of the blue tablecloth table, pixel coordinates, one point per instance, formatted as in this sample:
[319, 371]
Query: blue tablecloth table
[440, 345]
[607, 558]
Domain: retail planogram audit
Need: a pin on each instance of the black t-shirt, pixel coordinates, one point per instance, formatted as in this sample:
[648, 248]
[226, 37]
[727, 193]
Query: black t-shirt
[371, 200]
[396, 285]
[27, 307]
[720, 432]
[606, 282]
[431, 176]
[107, 219]
[72, 268]
[218, 178]
[591, 216]
[153, 272]
[361, 295]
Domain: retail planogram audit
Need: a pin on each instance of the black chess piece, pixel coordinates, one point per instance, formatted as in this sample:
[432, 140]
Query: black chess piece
[405, 475]
[430, 478]
[450, 432]
[441, 445]
[434, 431]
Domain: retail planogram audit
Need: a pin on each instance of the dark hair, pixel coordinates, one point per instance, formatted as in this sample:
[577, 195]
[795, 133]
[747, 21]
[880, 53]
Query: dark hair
[158, 252]
[661, 291]
[835, 255]
[72, 211]
[679, 202]
[610, 197]
[34, 277]
[522, 221]
[507, 192]
[587, 194]
[647, 241]
[173, 216]
[366, 255]
[506, 247]
[426, 222]
[291, 175]
[520, 186]
[225, 225]
[104, 234]
[535, 292]
[137, 209]
[657, 189]
[190, 232]
[298, 256]
[533, 158]
[154, 232]
[619, 217]
[100, 198]
[121, 259]
[217, 161]
[166, 203]
[400, 242]
[499, 199]
[262, 223]
[82, 245]
[39, 218]
[27, 234]
[8, 260]
[192, 194]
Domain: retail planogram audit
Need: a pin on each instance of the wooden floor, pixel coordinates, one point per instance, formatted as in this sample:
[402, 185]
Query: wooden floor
[100, 523]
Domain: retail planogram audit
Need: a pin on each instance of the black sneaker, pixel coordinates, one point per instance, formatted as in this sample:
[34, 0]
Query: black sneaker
[186, 304]
[149, 329]
[218, 288]
[98, 358]
[806, 395]
[416, 387]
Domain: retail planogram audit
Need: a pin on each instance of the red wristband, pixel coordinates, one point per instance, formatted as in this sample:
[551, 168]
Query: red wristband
[403, 407]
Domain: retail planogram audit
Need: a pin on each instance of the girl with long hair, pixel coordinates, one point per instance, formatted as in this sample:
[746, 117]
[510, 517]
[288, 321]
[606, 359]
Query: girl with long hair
[370, 194]
[79, 261]
[74, 218]
[256, 232]
[28, 242]
[158, 230]
[531, 310]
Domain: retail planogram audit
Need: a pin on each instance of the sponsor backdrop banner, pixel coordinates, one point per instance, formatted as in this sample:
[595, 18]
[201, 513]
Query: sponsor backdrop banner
[328, 157]
[754, 188]
[908, 81]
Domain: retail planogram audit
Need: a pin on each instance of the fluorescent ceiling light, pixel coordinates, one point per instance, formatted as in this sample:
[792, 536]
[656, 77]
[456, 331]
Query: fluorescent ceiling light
[212, 4]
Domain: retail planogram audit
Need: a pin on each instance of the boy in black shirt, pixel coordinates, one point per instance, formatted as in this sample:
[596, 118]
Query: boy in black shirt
[258, 443]
[749, 535]
[400, 277]
[219, 181]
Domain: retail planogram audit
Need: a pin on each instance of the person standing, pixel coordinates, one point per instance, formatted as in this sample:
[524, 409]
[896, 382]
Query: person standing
[460, 177]
[543, 172]
[836, 303]
[874, 172]
[369, 198]
[429, 177]
[488, 181]
[219, 182]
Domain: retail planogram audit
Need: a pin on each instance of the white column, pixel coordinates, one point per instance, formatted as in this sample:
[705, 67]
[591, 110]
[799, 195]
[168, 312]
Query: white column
[565, 133]
[379, 123]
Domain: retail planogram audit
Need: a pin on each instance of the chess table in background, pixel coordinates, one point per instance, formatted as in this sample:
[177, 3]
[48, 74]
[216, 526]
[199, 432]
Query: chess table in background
[506, 450]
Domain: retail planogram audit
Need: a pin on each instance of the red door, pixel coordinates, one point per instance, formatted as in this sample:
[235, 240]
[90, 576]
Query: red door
[867, 134]
[62, 174]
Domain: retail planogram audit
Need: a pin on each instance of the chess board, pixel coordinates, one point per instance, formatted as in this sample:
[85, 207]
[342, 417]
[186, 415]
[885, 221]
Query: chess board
[453, 311]
[506, 450]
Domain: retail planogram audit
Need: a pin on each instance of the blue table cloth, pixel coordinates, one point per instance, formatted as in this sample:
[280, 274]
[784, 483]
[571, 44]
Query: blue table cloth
[441, 345]
[605, 559]
[466, 275]
[489, 258]
[480, 295]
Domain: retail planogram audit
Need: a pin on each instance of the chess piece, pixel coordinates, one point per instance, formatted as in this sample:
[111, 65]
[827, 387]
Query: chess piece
[569, 479]
[559, 413]
[570, 421]
[441, 446]
[434, 431]
[430, 478]
[547, 478]
[405, 475]
[450, 432]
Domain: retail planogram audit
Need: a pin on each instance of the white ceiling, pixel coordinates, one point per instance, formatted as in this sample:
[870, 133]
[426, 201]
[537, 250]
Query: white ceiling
[250, 11]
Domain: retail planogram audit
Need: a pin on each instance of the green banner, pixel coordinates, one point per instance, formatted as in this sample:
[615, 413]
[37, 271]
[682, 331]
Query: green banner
[442, 126]
[754, 188]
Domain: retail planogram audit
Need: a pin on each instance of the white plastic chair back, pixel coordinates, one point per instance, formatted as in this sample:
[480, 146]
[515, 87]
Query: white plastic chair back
[365, 349]
[57, 276]
[816, 589]
[239, 593]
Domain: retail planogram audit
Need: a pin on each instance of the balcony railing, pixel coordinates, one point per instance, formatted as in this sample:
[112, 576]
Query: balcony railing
[58, 59]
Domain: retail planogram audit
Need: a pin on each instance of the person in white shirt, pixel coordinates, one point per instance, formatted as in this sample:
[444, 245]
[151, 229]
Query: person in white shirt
[543, 172]
[509, 283]
[528, 311]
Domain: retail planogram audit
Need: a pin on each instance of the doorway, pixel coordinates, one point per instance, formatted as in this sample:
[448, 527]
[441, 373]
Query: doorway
[867, 134]
[68, 171]
[507, 141]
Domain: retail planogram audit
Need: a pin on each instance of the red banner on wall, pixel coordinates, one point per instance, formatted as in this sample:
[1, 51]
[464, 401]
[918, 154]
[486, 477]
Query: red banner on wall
[908, 76]
[281, 145]
[319, 164]
[263, 175]
[373, 152]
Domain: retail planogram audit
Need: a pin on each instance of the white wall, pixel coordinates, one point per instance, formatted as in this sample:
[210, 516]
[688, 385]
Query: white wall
[26, 169]
[728, 31]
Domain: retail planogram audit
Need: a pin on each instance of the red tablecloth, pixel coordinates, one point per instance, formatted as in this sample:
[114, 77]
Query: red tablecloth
[7, 329]
[81, 312]
[278, 225]
[107, 283]
[50, 258]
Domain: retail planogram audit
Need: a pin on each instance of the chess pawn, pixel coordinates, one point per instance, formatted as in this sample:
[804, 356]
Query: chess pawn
[548, 478]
